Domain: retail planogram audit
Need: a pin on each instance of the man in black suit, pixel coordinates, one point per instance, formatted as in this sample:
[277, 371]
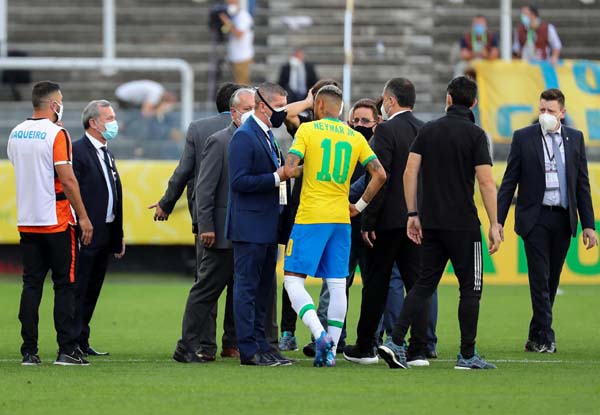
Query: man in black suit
[548, 163]
[185, 174]
[102, 196]
[384, 227]
[215, 271]
[297, 76]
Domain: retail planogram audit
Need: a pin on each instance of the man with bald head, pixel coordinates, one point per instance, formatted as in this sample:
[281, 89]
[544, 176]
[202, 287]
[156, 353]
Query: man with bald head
[215, 270]
[320, 241]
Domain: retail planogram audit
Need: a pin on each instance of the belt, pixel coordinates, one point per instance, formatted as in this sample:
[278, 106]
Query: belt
[555, 208]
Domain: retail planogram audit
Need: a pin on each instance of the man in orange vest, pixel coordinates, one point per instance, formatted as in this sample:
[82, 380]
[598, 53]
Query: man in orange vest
[47, 193]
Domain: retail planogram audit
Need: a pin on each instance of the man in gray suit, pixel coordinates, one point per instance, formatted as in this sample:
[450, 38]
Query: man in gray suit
[184, 175]
[215, 269]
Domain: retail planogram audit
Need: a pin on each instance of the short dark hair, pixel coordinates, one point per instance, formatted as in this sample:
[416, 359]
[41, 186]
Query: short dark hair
[41, 90]
[323, 82]
[554, 94]
[463, 91]
[378, 104]
[367, 103]
[533, 9]
[224, 94]
[403, 90]
[267, 92]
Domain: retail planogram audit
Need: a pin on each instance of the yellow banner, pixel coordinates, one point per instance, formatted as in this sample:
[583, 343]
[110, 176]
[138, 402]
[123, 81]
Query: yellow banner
[145, 181]
[509, 94]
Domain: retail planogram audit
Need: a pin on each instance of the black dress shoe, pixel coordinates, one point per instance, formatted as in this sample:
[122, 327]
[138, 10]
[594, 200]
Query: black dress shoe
[309, 350]
[261, 359]
[90, 351]
[431, 354]
[183, 356]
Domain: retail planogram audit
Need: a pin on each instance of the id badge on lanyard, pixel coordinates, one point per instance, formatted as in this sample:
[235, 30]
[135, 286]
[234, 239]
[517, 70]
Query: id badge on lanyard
[551, 177]
[283, 193]
[551, 171]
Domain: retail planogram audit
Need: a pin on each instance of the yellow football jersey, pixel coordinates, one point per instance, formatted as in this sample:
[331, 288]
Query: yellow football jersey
[330, 150]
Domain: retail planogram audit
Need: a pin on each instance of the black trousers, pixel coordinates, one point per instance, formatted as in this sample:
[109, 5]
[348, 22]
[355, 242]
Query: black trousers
[546, 247]
[464, 250]
[215, 274]
[388, 248]
[91, 270]
[41, 253]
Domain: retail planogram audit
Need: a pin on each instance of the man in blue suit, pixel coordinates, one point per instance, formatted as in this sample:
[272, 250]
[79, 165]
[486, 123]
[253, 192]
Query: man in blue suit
[256, 181]
[100, 185]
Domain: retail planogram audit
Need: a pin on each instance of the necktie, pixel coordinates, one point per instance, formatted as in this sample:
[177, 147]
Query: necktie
[111, 178]
[273, 147]
[560, 168]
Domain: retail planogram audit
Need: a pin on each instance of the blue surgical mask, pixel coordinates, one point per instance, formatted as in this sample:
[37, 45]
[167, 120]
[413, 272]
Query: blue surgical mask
[478, 29]
[525, 20]
[111, 130]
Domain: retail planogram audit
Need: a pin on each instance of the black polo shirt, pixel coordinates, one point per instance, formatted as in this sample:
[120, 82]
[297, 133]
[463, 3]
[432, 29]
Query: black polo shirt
[450, 148]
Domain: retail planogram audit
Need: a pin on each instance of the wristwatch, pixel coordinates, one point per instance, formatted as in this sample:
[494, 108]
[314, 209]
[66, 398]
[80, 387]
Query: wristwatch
[411, 214]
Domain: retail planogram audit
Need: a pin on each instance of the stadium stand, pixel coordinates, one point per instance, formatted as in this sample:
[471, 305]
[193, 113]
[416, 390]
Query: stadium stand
[412, 38]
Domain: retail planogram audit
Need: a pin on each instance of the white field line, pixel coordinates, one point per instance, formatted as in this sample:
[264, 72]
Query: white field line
[433, 361]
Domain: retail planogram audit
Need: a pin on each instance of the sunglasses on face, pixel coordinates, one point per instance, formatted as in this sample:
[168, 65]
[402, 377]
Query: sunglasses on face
[357, 121]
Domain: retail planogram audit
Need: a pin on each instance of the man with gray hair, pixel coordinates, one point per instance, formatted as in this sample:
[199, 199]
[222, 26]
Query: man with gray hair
[102, 195]
[215, 270]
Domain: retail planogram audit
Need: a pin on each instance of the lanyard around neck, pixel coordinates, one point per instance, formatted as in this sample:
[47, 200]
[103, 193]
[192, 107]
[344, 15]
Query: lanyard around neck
[551, 158]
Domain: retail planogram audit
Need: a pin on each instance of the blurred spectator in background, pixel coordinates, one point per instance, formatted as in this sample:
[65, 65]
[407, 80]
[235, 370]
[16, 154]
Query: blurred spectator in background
[146, 115]
[297, 76]
[476, 44]
[148, 96]
[15, 77]
[536, 39]
[238, 23]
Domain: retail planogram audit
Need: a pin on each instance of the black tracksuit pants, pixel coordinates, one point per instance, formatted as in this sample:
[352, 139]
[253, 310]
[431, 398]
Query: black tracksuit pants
[43, 252]
[464, 250]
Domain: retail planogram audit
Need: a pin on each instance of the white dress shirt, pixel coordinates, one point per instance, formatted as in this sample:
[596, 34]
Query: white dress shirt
[266, 129]
[552, 197]
[110, 216]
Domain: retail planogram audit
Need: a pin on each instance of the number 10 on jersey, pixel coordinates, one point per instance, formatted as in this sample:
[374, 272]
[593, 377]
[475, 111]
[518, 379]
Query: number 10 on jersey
[341, 162]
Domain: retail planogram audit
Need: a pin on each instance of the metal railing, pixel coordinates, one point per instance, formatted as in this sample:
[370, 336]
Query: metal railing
[124, 64]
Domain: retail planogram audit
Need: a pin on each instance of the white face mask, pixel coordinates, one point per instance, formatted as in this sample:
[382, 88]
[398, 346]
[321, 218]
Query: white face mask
[384, 113]
[59, 114]
[548, 122]
[245, 116]
[232, 9]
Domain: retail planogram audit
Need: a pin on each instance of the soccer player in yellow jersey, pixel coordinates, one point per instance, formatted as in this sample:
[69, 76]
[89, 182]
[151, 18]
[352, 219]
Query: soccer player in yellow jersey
[320, 241]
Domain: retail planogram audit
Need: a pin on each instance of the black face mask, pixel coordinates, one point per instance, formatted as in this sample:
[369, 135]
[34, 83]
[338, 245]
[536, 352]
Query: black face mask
[367, 132]
[277, 117]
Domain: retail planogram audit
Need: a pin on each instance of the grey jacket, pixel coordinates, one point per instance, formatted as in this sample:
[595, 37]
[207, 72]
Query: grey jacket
[212, 187]
[189, 164]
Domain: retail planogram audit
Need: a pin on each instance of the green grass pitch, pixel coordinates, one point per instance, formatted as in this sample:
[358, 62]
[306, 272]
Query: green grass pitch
[138, 320]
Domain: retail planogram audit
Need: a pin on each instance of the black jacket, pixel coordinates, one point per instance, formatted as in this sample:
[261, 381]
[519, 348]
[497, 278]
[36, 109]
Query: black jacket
[391, 143]
[94, 193]
[284, 80]
[525, 168]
